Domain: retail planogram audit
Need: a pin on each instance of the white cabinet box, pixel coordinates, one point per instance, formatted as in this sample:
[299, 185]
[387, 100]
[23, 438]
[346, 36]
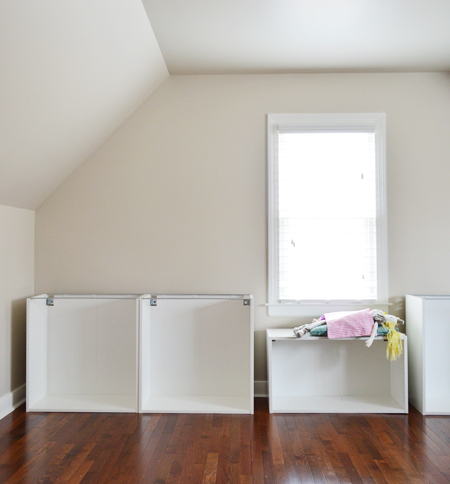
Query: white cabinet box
[321, 375]
[82, 353]
[196, 354]
[428, 330]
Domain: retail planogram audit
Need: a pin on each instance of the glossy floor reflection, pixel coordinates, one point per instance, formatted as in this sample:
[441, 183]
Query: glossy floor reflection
[181, 448]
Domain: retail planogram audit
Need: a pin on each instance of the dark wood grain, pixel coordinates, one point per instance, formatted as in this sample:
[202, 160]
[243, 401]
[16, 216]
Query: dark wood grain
[91, 448]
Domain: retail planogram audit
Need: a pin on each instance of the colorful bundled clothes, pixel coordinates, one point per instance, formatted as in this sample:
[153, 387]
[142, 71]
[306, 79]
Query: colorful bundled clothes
[351, 324]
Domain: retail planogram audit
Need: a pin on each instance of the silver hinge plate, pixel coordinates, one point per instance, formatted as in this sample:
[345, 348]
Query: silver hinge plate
[247, 302]
[153, 301]
[50, 301]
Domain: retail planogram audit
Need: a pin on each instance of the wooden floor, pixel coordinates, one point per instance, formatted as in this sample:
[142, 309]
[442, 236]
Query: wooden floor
[130, 448]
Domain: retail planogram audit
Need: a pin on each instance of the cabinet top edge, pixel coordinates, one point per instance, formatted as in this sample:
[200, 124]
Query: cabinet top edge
[430, 296]
[197, 296]
[87, 296]
[144, 296]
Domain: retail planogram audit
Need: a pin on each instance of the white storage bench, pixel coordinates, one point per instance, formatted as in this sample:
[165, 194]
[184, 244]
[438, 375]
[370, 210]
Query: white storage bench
[82, 353]
[321, 375]
[428, 329]
[196, 354]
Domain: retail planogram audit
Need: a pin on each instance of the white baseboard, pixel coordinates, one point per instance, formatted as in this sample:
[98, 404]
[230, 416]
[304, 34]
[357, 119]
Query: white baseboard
[261, 388]
[12, 400]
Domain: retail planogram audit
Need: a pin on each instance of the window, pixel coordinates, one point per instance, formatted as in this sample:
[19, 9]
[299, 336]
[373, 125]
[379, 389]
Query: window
[327, 213]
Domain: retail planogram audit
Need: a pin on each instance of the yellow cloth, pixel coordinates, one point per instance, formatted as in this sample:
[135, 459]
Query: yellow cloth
[394, 347]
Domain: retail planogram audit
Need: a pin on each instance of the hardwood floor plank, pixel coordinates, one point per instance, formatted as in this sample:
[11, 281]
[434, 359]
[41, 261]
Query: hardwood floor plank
[257, 463]
[183, 464]
[224, 474]
[76, 464]
[210, 472]
[78, 476]
[373, 468]
[164, 467]
[275, 442]
[158, 454]
[350, 469]
[176, 435]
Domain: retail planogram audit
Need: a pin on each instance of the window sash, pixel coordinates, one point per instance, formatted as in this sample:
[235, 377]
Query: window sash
[334, 123]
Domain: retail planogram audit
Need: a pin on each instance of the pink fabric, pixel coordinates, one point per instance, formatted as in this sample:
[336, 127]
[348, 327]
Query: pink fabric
[349, 324]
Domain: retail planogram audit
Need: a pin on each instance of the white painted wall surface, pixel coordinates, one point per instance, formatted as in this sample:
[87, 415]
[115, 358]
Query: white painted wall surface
[16, 284]
[175, 200]
[70, 73]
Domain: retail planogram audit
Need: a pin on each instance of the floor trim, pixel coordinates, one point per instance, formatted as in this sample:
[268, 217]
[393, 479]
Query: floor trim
[12, 400]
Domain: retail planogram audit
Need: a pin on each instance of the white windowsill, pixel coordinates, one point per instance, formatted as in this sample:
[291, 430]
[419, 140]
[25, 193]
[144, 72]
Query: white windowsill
[315, 310]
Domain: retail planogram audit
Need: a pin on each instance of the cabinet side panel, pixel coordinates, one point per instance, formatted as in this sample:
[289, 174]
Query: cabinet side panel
[252, 355]
[269, 370]
[37, 331]
[144, 374]
[437, 355]
[399, 376]
[414, 332]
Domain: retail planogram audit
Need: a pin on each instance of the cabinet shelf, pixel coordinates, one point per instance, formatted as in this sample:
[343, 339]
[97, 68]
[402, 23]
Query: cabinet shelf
[198, 404]
[86, 403]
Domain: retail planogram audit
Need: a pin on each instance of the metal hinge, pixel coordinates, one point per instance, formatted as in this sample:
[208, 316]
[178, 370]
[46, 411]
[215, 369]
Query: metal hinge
[247, 302]
[50, 301]
[153, 301]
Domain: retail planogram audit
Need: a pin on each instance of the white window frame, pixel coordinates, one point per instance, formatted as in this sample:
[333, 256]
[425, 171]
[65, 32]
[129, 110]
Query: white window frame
[376, 121]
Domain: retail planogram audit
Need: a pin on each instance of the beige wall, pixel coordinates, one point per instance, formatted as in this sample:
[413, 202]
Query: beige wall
[16, 284]
[175, 200]
[70, 74]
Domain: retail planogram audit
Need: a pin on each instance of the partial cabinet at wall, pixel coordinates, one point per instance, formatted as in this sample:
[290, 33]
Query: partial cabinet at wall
[192, 353]
[196, 354]
[428, 329]
[321, 375]
[82, 353]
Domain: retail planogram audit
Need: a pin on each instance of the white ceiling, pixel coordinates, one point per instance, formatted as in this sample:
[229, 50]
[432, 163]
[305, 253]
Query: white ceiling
[70, 73]
[249, 36]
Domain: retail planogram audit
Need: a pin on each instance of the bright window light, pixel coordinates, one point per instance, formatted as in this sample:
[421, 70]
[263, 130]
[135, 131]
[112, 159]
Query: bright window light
[327, 216]
[327, 211]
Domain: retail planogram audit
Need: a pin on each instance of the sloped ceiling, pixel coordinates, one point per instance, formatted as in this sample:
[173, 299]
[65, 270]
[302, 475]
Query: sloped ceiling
[266, 36]
[70, 73]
